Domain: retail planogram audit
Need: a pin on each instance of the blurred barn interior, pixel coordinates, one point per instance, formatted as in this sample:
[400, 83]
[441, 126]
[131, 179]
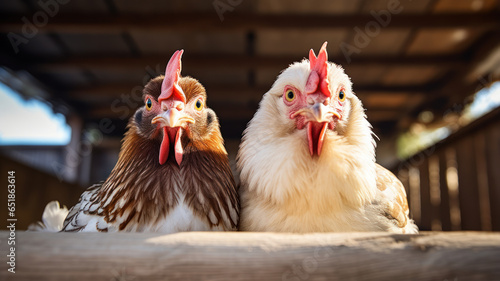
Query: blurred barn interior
[411, 62]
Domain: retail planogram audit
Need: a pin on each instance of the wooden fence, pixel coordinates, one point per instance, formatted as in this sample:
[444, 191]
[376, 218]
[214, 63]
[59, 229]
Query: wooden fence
[455, 184]
[252, 256]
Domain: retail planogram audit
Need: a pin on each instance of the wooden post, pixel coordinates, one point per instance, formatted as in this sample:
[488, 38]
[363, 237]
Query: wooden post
[253, 256]
[72, 156]
[493, 164]
[467, 186]
[445, 199]
[425, 196]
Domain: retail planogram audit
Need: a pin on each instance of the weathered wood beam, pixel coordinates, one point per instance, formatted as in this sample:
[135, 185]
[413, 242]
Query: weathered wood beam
[236, 61]
[254, 256]
[238, 21]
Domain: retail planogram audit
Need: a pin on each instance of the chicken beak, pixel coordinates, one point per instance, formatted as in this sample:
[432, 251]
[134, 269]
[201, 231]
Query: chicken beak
[317, 118]
[171, 121]
[318, 113]
[172, 118]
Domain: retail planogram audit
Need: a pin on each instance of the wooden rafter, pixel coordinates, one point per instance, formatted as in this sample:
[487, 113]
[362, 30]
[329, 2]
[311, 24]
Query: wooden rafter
[249, 21]
[238, 61]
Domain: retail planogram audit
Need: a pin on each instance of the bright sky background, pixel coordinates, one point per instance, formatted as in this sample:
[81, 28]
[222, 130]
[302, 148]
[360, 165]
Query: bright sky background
[486, 100]
[30, 122]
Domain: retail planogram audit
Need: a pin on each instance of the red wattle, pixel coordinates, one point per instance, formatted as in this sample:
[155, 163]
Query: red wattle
[164, 147]
[171, 135]
[179, 151]
[315, 136]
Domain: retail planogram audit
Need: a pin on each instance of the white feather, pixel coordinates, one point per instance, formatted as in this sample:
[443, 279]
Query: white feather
[52, 218]
[182, 218]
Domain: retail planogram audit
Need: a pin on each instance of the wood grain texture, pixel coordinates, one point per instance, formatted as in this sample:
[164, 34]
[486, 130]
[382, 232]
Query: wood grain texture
[254, 256]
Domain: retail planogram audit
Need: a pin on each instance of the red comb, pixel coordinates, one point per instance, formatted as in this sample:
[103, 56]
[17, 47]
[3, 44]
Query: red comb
[169, 86]
[319, 72]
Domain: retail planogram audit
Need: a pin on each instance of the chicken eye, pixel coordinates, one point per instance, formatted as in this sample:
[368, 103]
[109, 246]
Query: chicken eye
[289, 95]
[149, 104]
[341, 96]
[198, 105]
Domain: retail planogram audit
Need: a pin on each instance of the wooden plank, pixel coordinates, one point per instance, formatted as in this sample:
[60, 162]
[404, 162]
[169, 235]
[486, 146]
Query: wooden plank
[493, 164]
[425, 196]
[401, 75]
[467, 185]
[199, 61]
[279, 41]
[435, 193]
[404, 177]
[482, 179]
[414, 194]
[452, 186]
[382, 99]
[246, 21]
[254, 256]
[445, 199]
[464, 6]
[409, 6]
[310, 7]
[414, 205]
[445, 41]
[388, 41]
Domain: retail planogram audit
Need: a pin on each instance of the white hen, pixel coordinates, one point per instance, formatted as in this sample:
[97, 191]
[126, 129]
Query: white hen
[307, 159]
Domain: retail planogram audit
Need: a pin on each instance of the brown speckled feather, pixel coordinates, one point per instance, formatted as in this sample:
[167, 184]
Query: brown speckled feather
[211, 193]
[395, 205]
